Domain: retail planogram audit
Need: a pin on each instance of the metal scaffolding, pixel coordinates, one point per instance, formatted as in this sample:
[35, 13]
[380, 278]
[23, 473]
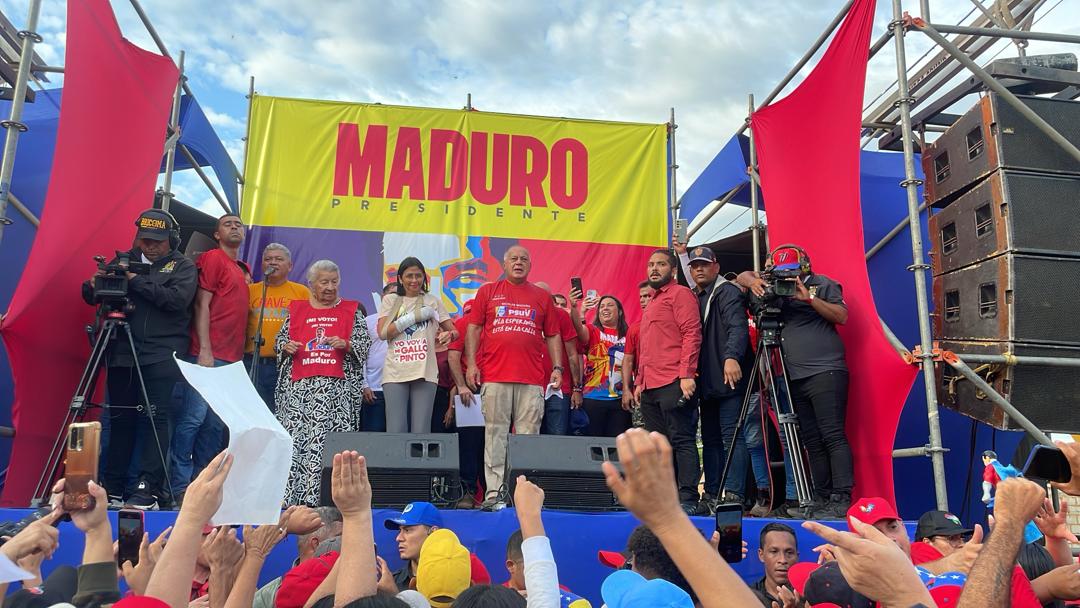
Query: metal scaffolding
[894, 116]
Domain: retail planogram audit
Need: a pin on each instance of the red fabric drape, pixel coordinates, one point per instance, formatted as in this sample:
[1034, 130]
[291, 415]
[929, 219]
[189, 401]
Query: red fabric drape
[108, 151]
[808, 155]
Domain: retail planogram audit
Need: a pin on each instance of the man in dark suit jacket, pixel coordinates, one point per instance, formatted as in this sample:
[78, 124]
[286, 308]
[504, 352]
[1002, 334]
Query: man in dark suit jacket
[723, 368]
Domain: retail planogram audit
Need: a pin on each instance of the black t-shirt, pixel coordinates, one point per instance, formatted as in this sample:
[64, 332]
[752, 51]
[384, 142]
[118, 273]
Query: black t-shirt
[810, 343]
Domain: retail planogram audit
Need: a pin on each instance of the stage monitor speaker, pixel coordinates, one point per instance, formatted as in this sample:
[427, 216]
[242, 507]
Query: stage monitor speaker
[567, 468]
[1012, 297]
[993, 135]
[1047, 395]
[1011, 212]
[402, 467]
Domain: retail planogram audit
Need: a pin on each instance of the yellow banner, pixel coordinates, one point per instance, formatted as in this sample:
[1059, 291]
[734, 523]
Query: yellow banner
[349, 166]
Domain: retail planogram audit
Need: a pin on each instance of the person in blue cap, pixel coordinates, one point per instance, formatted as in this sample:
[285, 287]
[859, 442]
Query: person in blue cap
[416, 522]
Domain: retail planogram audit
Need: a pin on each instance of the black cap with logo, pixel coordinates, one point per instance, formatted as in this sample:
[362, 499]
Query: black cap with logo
[939, 523]
[702, 254]
[155, 224]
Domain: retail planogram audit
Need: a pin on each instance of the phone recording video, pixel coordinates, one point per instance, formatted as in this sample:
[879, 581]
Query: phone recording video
[81, 464]
[729, 525]
[575, 283]
[1047, 464]
[130, 535]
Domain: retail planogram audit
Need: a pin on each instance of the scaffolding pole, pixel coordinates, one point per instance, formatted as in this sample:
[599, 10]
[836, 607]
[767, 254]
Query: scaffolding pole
[204, 177]
[673, 205]
[1000, 33]
[983, 386]
[911, 185]
[755, 226]
[1011, 360]
[716, 208]
[13, 124]
[174, 139]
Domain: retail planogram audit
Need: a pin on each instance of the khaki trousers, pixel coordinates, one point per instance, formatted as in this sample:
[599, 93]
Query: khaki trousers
[504, 403]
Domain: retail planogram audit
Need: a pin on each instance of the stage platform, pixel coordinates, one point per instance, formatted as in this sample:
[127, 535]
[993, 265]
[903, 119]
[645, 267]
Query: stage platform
[575, 539]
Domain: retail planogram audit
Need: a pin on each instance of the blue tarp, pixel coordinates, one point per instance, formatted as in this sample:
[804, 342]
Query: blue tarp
[197, 134]
[884, 205]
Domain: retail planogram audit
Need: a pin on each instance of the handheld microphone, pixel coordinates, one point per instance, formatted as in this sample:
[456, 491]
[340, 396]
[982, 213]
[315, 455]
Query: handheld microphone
[270, 270]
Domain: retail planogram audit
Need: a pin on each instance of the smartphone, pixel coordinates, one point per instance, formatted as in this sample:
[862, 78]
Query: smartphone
[729, 525]
[681, 224]
[129, 536]
[1048, 464]
[81, 464]
[575, 283]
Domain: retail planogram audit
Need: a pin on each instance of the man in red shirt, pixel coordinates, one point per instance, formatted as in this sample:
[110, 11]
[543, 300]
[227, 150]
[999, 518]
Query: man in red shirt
[557, 407]
[667, 360]
[217, 338]
[516, 320]
[633, 336]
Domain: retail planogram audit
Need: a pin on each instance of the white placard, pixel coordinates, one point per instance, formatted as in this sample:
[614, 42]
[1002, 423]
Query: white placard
[468, 415]
[260, 446]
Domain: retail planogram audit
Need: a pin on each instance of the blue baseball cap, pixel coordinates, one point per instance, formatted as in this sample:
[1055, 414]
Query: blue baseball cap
[628, 589]
[414, 514]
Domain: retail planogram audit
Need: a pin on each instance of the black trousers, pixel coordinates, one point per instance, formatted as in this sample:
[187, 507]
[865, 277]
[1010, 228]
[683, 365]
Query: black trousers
[438, 411]
[679, 424]
[471, 457]
[606, 417]
[125, 421]
[821, 405]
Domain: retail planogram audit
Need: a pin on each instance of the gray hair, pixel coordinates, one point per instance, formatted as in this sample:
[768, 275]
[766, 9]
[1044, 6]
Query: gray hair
[321, 266]
[278, 247]
[331, 525]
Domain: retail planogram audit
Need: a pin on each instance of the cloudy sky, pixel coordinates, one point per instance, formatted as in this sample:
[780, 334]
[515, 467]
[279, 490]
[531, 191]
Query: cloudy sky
[625, 60]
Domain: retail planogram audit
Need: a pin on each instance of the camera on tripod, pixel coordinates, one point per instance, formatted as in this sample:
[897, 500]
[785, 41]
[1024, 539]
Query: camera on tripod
[779, 284]
[111, 287]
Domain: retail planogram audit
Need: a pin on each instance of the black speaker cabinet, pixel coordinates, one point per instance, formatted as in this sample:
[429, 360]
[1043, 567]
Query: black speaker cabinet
[1010, 212]
[1012, 297]
[993, 135]
[1047, 395]
[402, 467]
[567, 468]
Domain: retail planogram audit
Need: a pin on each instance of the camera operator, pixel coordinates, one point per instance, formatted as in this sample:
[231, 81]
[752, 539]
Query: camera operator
[159, 317]
[814, 358]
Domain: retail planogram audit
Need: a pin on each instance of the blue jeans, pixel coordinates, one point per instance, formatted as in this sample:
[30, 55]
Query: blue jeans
[265, 380]
[719, 418]
[755, 442]
[556, 415]
[197, 438]
[373, 415]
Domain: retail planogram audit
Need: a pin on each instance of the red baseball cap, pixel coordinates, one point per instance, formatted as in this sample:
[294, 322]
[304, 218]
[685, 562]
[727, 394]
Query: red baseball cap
[870, 510]
[299, 583]
[141, 601]
[611, 559]
[798, 574]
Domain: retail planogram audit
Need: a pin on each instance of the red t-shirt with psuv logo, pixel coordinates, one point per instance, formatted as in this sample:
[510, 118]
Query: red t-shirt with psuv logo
[515, 320]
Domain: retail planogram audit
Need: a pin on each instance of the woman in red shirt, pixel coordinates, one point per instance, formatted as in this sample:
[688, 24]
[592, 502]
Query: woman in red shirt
[603, 342]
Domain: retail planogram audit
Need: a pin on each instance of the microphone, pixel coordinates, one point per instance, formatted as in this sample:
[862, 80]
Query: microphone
[270, 270]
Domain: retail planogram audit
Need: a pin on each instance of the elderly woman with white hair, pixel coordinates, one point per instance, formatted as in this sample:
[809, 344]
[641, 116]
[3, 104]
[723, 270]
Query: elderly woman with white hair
[323, 346]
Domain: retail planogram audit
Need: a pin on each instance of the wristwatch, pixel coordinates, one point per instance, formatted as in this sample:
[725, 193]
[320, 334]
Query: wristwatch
[557, 367]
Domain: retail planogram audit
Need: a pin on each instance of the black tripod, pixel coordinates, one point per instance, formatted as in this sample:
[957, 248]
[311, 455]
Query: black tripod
[769, 368]
[113, 321]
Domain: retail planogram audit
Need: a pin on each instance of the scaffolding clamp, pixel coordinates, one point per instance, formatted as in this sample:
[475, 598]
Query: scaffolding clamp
[36, 37]
[21, 126]
[911, 182]
[923, 266]
[917, 354]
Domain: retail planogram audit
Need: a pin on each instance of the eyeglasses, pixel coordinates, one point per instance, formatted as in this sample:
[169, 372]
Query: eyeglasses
[955, 540]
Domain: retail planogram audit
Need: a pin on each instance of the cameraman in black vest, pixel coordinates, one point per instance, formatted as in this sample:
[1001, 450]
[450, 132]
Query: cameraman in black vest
[158, 313]
[814, 357]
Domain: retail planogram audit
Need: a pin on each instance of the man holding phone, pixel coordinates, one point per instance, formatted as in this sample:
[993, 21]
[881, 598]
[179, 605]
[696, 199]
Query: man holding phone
[724, 367]
[667, 360]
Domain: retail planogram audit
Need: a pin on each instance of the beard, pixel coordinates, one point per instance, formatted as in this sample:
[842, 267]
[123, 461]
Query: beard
[658, 283]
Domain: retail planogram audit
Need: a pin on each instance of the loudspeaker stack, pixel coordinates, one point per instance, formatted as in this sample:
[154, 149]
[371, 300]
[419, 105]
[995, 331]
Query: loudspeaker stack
[1006, 257]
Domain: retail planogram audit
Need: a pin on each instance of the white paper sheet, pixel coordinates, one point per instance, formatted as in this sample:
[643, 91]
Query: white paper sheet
[552, 390]
[261, 448]
[10, 573]
[471, 415]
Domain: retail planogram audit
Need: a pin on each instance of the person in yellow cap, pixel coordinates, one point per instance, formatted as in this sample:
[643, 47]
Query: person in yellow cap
[444, 571]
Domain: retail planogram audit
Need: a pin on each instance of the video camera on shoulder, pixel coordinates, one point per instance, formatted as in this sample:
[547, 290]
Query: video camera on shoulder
[112, 286]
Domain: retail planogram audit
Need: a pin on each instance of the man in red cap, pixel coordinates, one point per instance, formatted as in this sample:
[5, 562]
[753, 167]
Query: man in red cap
[818, 373]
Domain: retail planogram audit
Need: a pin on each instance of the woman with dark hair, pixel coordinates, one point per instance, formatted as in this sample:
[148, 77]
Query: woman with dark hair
[603, 342]
[413, 322]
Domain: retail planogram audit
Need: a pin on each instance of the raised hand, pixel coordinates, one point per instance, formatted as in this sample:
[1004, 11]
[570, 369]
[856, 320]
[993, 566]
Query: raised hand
[203, 496]
[1017, 501]
[138, 576]
[223, 549]
[386, 578]
[647, 485]
[1072, 453]
[349, 484]
[291, 347]
[874, 565]
[87, 519]
[38, 537]
[302, 520]
[1053, 523]
[528, 497]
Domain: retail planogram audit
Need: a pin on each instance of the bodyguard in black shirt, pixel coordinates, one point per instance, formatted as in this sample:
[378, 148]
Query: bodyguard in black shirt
[159, 320]
[723, 368]
[815, 362]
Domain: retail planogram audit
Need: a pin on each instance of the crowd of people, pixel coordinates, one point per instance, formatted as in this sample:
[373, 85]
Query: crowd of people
[533, 361]
[666, 561]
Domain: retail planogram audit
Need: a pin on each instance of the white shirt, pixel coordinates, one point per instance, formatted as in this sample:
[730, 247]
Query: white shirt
[541, 575]
[376, 355]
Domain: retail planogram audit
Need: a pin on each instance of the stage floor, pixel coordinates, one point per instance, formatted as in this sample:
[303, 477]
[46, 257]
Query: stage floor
[575, 539]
